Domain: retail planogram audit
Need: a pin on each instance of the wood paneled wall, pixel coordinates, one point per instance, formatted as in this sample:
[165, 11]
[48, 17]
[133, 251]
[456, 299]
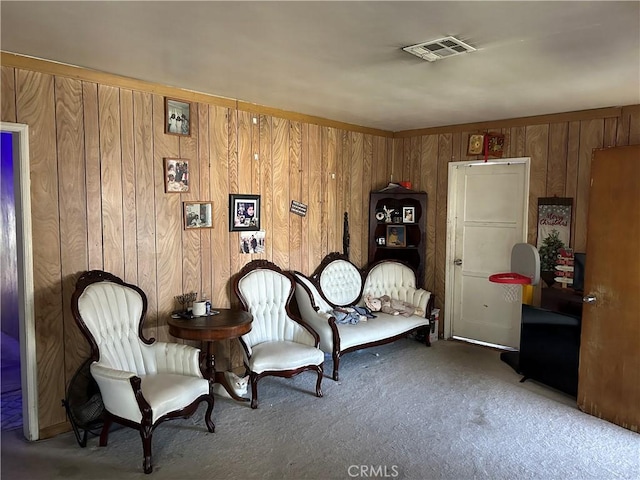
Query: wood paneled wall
[97, 145]
[560, 147]
[98, 200]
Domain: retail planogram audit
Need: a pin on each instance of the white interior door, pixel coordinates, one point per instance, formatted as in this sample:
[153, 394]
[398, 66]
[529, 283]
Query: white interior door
[487, 216]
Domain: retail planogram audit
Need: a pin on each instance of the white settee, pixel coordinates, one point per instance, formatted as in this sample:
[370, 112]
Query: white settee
[339, 283]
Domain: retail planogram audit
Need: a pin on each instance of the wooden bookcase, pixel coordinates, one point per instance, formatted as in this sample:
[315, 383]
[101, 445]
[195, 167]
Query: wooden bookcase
[412, 234]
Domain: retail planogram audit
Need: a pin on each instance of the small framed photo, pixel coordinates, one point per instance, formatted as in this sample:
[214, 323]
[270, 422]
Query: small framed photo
[252, 242]
[396, 236]
[176, 175]
[408, 214]
[198, 215]
[244, 213]
[177, 117]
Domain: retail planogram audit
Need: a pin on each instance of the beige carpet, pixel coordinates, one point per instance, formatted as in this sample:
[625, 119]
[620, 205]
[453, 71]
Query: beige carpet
[453, 411]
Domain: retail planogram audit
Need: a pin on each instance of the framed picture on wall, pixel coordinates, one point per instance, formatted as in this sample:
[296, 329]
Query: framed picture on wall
[198, 215]
[554, 229]
[176, 175]
[177, 117]
[244, 212]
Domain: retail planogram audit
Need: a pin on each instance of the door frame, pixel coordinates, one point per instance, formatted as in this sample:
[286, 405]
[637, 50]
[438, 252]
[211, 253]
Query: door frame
[451, 225]
[28, 363]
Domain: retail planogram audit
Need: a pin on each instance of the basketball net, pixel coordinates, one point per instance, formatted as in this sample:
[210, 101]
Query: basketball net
[511, 284]
[512, 292]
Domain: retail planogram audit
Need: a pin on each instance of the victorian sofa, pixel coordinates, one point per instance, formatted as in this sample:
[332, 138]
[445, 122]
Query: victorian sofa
[339, 283]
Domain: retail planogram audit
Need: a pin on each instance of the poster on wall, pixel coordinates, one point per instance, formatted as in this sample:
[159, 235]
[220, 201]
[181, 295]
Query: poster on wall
[554, 229]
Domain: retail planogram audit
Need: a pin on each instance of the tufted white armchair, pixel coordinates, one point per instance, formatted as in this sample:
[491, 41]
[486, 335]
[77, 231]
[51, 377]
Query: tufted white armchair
[142, 382]
[279, 342]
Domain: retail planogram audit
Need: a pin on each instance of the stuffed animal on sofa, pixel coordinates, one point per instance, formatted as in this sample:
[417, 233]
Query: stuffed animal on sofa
[391, 306]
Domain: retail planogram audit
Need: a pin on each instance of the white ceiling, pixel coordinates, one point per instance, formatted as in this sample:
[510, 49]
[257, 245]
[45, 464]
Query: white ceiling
[344, 60]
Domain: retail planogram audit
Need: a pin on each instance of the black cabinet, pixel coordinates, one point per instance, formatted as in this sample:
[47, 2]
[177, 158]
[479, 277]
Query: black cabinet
[397, 227]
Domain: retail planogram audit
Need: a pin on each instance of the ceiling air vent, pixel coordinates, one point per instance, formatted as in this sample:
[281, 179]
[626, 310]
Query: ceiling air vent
[439, 49]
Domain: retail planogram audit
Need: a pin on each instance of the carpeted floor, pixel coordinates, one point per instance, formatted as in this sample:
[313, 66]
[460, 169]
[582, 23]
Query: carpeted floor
[11, 399]
[452, 411]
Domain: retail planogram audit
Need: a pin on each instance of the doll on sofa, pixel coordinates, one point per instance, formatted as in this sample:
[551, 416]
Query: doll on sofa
[391, 306]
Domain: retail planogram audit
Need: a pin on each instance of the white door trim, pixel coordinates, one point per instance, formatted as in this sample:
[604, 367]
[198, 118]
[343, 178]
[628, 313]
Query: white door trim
[28, 365]
[451, 212]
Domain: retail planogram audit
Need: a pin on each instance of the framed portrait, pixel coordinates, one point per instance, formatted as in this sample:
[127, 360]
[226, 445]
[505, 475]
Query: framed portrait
[252, 242]
[177, 117]
[176, 175]
[198, 215]
[244, 213]
[408, 214]
[396, 236]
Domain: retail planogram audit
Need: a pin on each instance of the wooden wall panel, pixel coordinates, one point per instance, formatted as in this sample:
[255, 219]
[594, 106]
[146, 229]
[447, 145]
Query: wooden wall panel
[204, 184]
[280, 206]
[557, 160]
[537, 147]
[314, 211]
[341, 181]
[128, 188]
[329, 195]
[591, 137]
[266, 183]
[429, 181]
[73, 220]
[93, 175]
[8, 94]
[111, 178]
[397, 162]
[35, 106]
[168, 223]
[145, 205]
[367, 181]
[444, 156]
[358, 227]
[219, 174]
[295, 189]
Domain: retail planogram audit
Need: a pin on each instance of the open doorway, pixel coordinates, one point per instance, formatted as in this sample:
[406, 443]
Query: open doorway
[10, 316]
[19, 284]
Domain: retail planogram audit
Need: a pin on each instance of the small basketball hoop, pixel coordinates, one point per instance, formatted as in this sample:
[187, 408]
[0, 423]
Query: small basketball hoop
[511, 282]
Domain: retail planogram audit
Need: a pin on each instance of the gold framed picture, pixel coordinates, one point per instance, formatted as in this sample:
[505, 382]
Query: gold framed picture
[198, 215]
[177, 117]
[476, 144]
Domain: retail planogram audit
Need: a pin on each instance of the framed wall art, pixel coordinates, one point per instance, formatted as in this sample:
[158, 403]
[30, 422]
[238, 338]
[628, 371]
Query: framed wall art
[396, 236]
[554, 229]
[177, 117]
[198, 215]
[244, 213]
[176, 175]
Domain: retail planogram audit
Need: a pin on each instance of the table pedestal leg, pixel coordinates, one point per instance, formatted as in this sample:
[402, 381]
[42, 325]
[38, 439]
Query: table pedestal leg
[220, 377]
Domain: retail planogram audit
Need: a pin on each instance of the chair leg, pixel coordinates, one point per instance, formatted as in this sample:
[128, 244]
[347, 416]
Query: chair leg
[320, 374]
[104, 435]
[254, 390]
[146, 434]
[207, 416]
[336, 365]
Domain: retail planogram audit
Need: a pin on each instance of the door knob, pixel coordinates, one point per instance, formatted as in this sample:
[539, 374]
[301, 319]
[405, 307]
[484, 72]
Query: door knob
[457, 261]
[591, 298]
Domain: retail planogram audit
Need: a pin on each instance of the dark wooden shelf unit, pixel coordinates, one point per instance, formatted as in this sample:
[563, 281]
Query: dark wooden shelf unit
[414, 252]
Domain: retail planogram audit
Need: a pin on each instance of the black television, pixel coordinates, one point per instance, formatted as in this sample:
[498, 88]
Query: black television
[578, 271]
